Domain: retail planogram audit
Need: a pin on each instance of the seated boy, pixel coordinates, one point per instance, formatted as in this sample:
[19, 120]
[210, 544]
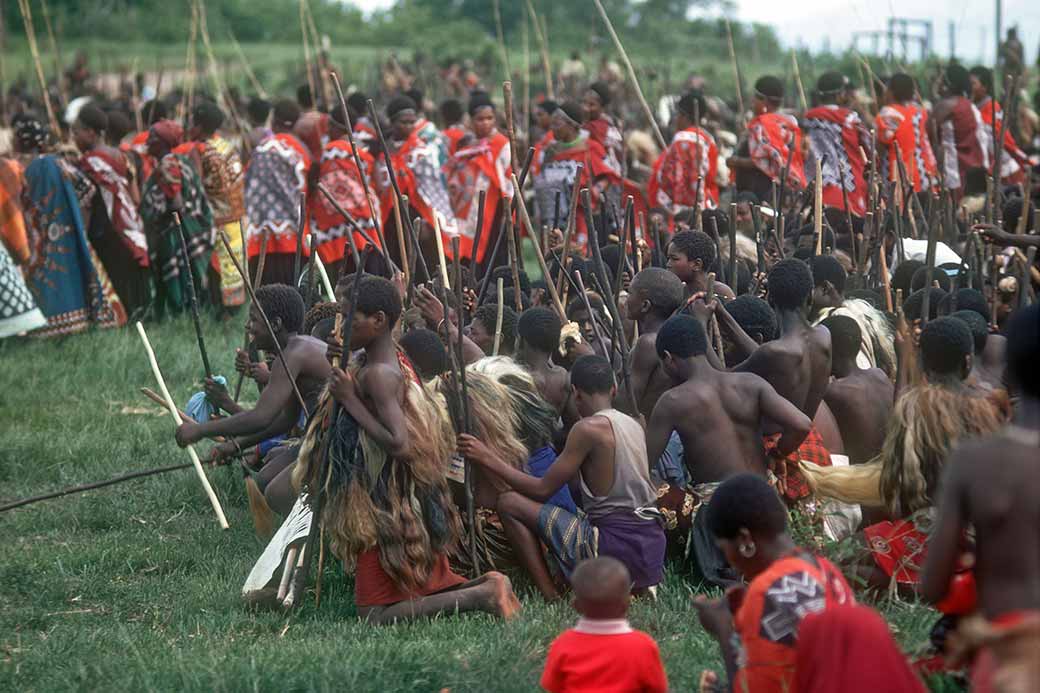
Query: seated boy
[606, 450]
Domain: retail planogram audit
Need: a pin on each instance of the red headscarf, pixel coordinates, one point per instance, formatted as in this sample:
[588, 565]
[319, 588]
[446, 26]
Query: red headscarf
[169, 132]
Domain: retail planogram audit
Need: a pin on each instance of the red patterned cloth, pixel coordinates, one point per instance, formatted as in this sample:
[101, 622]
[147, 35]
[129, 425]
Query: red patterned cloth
[691, 157]
[899, 549]
[453, 134]
[340, 176]
[903, 129]
[1013, 161]
[837, 134]
[790, 481]
[373, 587]
[483, 165]
[605, 133]
[769, 144]
[276, 185]
[111, 176]
[417, 167]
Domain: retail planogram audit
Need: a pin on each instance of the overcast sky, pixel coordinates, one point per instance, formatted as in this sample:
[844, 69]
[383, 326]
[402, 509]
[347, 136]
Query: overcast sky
[813, 22]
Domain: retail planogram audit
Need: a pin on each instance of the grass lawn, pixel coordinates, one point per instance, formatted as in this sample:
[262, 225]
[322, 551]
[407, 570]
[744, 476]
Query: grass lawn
[135, 587]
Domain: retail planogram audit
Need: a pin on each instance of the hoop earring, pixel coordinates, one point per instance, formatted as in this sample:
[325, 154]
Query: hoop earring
[747, 550]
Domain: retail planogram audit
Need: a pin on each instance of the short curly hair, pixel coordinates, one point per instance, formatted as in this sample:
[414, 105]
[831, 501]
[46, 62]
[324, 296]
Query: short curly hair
[826, 268]
[921, 276]
[682, 337]
[487, 315]
[913, 305]
[282, 301]
[592, 374]
[540, 327]
[695, 245]
[902, 275]
[426, 352]
[846, 336]
[377, 294]
[978, 326]
[317, 313]
[754, 316]
[746, 501]
[663, 289]
[790, 284]
[945, 342]
[966, 299]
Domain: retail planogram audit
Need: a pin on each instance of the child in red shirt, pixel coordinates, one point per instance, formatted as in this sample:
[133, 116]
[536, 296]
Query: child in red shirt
[602, 653]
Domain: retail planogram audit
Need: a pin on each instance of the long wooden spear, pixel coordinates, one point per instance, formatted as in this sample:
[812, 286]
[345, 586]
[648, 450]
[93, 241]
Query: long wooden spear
[214, 501]
[263, 316]
[798, 81]
[736, 72]
[30, 33]
[464, 418]
[543, 49]
[632, 75]
[250, 75]
[97, 484]
[608, 299]
[193, 301]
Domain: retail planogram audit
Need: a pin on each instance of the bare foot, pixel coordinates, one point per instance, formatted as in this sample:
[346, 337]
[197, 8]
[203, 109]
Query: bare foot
[501, 600]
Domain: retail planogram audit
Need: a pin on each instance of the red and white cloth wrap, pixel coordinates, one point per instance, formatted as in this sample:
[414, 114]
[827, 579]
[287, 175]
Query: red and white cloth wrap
[837, 134]
[340, 176]
[691, 157]
[276, 185]
[484, 165]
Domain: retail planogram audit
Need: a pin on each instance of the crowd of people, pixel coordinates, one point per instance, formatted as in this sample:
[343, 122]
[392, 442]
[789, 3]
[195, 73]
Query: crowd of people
[825, 321]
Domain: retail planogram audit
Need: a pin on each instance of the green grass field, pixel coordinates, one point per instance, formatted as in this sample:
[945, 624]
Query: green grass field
[135, 587]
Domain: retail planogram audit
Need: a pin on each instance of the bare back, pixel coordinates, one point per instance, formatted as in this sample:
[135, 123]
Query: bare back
[999, 482]
[861, 403]
[718, 419]
[797, 365]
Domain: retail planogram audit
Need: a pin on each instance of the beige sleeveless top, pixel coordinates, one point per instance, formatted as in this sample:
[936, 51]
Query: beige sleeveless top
[631, 488]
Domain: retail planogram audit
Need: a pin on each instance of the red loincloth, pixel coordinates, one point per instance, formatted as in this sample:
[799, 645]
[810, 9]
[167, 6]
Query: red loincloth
[790, 481]
[373, 587]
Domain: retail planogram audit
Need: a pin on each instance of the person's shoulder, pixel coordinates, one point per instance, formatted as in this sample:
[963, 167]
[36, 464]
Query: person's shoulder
[642, 640]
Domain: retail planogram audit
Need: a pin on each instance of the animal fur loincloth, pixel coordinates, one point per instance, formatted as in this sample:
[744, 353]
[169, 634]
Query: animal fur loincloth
[402, 505]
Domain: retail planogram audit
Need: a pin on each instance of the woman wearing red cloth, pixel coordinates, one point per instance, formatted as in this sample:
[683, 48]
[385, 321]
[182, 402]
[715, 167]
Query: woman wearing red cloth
[109, 205]
[771, 135]
[902, 129]
[481, 162]
[757, 626]
[418, 170]
[600, 125]
[339, 174]
[840, 141]
[276, 188]
[684, 176]
[558, 167]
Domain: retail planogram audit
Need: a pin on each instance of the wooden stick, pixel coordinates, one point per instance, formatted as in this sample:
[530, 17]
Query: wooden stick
[514, 263]
[543, 49]
[353, 222]
[177, 418]
[736, 72]
[798, 81]
[929, 266]
[157, 398]
[507, 97]
[30, 34]
[471, 508]
[390, 174]
[440, 255]
[54, 46]
[883, 263]
[498, 318]
[608, 298]
[818, 209]
[267, 323]
[632, 75]
[97, 484]
[319, 266]
[307, 51]
[568, 232]
[289, 568]
[478, 232]
[245, 65]
[192, 299]
[501, 39]
[525, 219]
[592, 316]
